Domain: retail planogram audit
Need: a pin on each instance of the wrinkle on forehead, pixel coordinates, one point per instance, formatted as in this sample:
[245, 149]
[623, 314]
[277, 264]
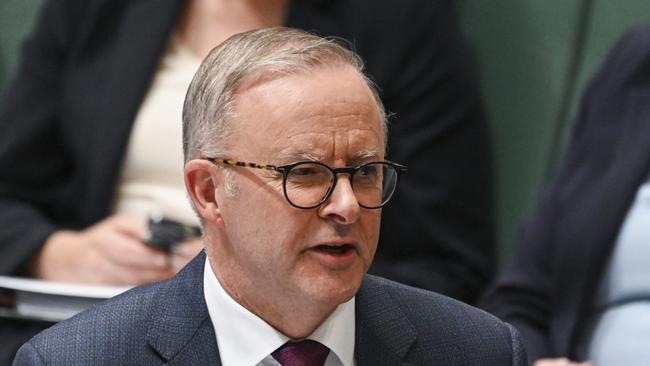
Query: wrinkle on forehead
[290, 154]
[351, 147]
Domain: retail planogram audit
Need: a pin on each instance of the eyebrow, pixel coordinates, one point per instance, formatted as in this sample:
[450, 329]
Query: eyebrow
[365, 154]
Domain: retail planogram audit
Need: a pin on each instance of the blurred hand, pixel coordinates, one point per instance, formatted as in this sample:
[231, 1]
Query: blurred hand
[185, 252]
[559, 362]
[108, 253]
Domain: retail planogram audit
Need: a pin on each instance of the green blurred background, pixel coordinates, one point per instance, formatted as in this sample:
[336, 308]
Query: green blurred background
[533, 59]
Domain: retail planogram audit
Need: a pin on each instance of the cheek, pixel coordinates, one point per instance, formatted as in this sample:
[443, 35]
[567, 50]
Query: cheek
[263, 212]
[257, 204]
[370, 221]
[281, 227]
[370, 224]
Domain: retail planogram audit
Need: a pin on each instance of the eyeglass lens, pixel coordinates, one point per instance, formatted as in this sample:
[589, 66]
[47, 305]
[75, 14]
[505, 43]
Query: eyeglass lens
[308, 183]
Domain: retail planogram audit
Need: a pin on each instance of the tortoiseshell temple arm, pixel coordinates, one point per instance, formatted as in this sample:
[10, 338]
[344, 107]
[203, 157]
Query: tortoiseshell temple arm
[284, 168]
[230, 162]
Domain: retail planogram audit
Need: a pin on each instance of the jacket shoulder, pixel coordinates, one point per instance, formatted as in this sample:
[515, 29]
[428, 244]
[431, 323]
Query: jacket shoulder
[458, 331]
[431, 306]
[107, 330]
[143, 326]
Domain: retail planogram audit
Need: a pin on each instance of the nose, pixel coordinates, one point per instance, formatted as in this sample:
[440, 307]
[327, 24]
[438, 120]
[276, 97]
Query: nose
[342, 205]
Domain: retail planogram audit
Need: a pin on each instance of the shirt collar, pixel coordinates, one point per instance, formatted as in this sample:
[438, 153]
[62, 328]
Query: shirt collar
[244, 338]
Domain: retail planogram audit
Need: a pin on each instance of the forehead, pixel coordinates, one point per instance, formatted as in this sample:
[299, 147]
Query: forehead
[327, 113]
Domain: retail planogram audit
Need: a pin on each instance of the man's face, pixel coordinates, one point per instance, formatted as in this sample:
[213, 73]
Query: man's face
[272, 250]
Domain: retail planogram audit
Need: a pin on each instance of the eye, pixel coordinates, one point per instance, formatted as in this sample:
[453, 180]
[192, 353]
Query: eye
[309, 171]
[368, 169]
[304, 171]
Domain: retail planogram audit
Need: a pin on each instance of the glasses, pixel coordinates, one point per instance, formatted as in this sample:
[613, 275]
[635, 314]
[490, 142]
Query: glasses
[307, 184]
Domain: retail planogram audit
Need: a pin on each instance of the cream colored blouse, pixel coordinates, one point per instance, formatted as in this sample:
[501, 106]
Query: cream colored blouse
[152, 175]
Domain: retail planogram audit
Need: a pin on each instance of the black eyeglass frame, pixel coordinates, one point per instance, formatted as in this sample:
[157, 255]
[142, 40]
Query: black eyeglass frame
[285, 169]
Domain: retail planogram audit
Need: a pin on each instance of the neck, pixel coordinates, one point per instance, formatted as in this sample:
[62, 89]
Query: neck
[295, 315]
[207, 23]
[295, 318]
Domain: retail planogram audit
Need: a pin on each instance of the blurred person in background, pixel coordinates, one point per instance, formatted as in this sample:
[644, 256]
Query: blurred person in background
[99, 91]
[578, 287]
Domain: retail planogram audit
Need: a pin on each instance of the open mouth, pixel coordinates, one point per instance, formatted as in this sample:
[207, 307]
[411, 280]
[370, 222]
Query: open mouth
[335, 249]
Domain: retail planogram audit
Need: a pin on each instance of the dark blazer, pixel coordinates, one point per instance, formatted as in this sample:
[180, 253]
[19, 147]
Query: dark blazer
[168, 323]
[88, 64]
[548, 290]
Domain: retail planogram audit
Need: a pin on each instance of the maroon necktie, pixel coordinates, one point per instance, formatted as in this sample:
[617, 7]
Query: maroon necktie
[303, 353]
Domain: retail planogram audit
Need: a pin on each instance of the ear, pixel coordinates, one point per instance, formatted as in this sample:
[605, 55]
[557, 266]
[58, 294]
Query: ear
[202, 180]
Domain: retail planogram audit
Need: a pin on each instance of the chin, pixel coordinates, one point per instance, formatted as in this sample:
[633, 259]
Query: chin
[335, 290]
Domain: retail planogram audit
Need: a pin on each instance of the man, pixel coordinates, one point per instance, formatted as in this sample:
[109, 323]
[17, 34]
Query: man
[288, 245]
[577, 288]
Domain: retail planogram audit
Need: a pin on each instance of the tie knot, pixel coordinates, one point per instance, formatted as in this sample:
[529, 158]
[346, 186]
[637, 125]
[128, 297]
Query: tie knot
[303, 353]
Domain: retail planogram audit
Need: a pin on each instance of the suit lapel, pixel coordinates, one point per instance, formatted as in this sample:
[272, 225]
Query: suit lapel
[181, 332]
[383, 333]
[201, 349]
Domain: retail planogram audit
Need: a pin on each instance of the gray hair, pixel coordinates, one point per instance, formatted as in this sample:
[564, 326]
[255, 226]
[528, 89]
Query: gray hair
[263, 54]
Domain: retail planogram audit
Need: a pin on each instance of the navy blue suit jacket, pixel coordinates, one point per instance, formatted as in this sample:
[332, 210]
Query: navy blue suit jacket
[548, 291]
[168, 323]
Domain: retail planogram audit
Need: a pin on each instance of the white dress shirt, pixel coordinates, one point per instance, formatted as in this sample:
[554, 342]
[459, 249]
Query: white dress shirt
[245, 339]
